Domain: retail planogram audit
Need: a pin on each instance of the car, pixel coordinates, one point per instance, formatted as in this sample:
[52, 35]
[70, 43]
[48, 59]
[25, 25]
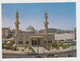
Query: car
[38, 56]
[32, 53]
[50, 55]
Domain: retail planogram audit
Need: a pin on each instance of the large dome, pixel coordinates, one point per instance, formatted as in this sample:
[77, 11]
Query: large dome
[30, 28]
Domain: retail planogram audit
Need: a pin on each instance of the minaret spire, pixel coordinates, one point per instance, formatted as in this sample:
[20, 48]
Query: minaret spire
[17, 23]
[46, 23]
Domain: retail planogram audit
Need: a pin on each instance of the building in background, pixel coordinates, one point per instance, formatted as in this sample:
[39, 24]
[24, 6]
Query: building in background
[6, 32]
[64, 36]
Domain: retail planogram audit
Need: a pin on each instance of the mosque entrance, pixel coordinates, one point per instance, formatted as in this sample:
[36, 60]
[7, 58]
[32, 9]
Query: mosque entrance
[36, 40]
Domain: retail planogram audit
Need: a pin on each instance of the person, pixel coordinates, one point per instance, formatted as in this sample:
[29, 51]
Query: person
[69, 55]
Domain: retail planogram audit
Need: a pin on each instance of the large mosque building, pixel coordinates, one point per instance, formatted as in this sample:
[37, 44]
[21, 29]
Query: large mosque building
[32, 37]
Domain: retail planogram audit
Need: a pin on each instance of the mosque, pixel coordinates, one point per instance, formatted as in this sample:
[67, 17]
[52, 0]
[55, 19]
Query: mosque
[32, 37]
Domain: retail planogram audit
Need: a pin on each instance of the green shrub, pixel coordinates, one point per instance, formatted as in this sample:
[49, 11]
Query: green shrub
[7, 47]
[12, 42]
[47, 47]
[31, 49]
[15, 48]
[64, 47]
[5, 41]
[68, 45]
[57, 48]
[12, 48]
[55, 45]
[61, 44]
[22, 49]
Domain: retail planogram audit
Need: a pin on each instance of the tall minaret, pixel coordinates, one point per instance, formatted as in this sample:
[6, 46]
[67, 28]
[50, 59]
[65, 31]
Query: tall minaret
[17, 23]
[46, 23]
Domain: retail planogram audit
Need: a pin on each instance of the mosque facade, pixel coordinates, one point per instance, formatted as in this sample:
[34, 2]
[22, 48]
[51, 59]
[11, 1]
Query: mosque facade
[32, 37]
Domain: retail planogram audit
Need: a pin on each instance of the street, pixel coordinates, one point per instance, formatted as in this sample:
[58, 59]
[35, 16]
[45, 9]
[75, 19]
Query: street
[59, 54]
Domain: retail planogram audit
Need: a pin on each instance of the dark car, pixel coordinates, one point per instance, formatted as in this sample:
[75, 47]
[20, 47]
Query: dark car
[38, 56]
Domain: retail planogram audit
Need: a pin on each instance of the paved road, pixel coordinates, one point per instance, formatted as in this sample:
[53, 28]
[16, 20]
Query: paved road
[60, 54]
[66, 54]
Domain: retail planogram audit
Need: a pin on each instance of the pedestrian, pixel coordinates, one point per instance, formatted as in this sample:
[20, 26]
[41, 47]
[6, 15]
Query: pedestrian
[69, 55]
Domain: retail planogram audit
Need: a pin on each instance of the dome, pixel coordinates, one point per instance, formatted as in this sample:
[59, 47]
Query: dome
[30, 28]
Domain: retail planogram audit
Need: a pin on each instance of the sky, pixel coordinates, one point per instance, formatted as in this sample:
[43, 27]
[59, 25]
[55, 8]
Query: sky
[60, 15]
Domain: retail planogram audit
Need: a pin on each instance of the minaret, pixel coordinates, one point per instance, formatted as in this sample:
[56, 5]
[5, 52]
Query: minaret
[46, 27]
[17, 23]
[46, 23]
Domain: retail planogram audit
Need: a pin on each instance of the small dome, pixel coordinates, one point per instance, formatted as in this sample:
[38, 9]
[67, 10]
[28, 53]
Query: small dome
[30, 28]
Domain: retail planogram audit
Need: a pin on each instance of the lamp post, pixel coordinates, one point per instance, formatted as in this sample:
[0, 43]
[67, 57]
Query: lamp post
[72, 44]
[37, 46]
[72, 49]
[44, 42]
[43, 48]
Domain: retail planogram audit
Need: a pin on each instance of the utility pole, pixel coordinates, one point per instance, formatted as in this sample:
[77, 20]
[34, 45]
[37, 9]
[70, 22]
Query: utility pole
[72, 49]
[37, 46]
[43, 48]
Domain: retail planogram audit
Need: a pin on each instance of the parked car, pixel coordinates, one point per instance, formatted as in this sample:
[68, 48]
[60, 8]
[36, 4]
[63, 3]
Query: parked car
[32, 53]
[38, 56]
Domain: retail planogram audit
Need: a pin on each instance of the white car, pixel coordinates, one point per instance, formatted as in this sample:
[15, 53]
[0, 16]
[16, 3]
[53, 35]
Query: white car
[32, 53]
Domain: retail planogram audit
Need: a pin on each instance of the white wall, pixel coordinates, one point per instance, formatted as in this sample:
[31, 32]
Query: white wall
[64, 36]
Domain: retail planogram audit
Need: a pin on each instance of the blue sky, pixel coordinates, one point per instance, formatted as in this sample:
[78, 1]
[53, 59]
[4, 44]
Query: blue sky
[60, 15]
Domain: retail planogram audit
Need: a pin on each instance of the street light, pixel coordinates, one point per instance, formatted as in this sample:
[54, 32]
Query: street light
[37, 46]
[72, 48]
[44, 45]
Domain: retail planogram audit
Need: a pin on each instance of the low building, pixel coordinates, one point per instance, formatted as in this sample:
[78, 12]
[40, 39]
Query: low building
[6, 32]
